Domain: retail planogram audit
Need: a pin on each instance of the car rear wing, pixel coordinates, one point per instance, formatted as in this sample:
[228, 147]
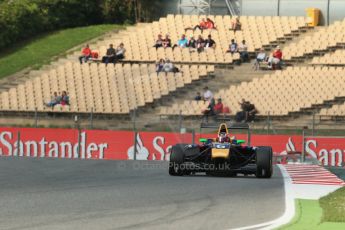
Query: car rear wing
[230, 126]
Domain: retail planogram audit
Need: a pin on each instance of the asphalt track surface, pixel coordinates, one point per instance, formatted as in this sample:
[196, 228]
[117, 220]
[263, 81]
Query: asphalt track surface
[76, 194]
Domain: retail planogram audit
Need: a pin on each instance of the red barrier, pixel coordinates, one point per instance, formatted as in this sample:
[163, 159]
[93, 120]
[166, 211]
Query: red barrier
[118, 145]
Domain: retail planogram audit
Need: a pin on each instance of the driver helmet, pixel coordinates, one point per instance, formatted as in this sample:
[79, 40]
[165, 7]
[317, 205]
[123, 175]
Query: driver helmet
[222, 137]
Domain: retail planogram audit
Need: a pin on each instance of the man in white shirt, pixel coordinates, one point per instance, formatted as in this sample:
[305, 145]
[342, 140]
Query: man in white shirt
[208, 95]
[243, 50]
[168, 66]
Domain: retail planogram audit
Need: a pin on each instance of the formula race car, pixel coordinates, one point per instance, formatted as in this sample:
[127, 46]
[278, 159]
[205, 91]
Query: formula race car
[223, 155]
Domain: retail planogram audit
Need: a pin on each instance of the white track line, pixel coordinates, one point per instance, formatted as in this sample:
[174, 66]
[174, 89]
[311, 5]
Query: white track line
[289, 207]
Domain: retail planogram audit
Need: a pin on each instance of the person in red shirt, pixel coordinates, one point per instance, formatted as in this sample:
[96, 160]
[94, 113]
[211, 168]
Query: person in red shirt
[202, 26]
[218, 108]
[275, 59]
[210, 24]
[86, 54]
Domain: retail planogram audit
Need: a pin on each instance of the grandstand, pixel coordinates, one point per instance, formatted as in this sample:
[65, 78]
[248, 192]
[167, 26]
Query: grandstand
[312, 84]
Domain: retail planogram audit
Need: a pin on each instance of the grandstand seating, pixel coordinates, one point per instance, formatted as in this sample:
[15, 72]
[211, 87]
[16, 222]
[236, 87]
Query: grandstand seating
[325, 38]
[282, 92]
[334, 111]
[105, 89]
[257, 31]
[336, 58]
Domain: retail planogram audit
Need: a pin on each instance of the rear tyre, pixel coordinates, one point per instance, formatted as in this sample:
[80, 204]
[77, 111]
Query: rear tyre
[176, 160]
[264, 168]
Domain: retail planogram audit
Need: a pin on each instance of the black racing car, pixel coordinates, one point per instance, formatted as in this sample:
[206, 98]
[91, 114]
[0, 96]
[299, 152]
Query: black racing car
[222, 155]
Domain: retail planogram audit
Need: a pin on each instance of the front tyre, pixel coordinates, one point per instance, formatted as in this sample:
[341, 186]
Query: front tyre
[264, 167]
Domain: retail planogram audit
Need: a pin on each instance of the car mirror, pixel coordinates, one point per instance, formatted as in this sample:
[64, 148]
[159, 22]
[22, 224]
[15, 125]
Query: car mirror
[241, 141]
[203, 140]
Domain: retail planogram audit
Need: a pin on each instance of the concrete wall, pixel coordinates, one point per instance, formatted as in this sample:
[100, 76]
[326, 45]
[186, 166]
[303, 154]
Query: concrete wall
[331, 10]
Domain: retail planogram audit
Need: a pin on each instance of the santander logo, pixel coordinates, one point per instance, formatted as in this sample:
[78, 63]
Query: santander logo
[320, 148]
[290, 147]
[142, 153]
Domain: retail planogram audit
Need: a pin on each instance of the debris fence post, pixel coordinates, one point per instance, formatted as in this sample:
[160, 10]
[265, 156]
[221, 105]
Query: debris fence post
[18, 144]
[135, 145]
[135, 134]
[79, 143]
[193, 136]
[36, 118]
[180, 121]
[313, 124]
[91, 118]
[268, 122]
[303, 144]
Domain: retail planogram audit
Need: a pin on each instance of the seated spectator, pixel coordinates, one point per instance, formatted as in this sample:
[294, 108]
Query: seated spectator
[208, 95]
[191, 43]
[210, 24]
[197, 97]
[56, 99]
[248, 112]
[200, 44]
[86, 54]
[120, 52]
[233, 48]
[218, 108]
[251, 112]
[260, 57]
[236, 25]
[182, 42]
[110, 55]
[160, 65]
[243, 50]
[202, 25]
[166, 42]
[275, 60]
[64, 98]
[168, 66]
[209, 111]
[209, 42]
[159, 42]
[241, 115]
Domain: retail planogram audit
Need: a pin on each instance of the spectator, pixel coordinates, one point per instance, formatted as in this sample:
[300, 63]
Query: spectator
[209, 111]
[197, 97]
[64, 98]
[241, 115]
[202, 25]
[54, 100]
[260, 57]
[233, 48]
[236, 25]
[160, 65]
[200, 44]
[251, 112]
[166, 42]
[210, 24]
[209, 42]
[243, 50]
[168, 66]
[110, 55]
[182, 42]
[275, 59]
[120, 52]
[86, 54]
[159, 42]
[248, 112]
[218, 108]
[208, 95]
[191, 43]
